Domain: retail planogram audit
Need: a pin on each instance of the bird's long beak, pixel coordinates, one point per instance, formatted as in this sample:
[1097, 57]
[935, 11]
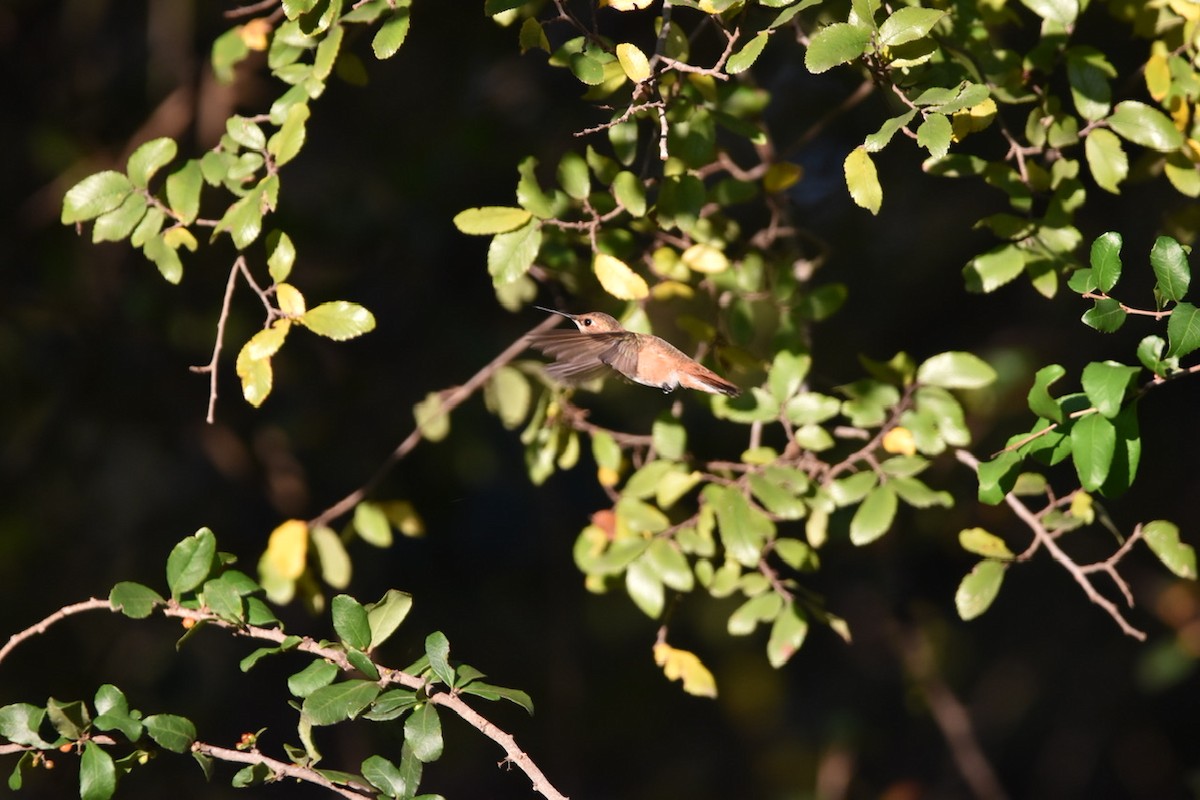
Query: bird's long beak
[554, 311]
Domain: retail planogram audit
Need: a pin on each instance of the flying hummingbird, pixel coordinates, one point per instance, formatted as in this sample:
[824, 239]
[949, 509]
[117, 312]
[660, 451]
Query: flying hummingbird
[602, 344]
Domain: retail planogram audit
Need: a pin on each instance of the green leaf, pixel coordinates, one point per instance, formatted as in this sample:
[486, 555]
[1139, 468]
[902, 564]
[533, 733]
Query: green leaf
[350, 622]
[243, 220]
[19, 724]
[836, 44]
[874, 516]
[956, 370]
[95, 195]
[983, 543]
[1145, 125]
[1062, 12]
[97, 773]
[1163, 538]
[317, 675]
[1106, 159]
[862, 179]
[762, 608]
[630, 193]
[1150, 352]
[112, 713]
[878, 140]
[171, 732]
[423, 733]
[744, 58]
[1105, 384]
[437, 650]
[1040, 401]
[134, 600]
[148, 159]
[510, 255]
[386, 615]
[183, 191]
[573, 175]
[1183, 330]
[1127, 452]
[997, 477]
[993, 269]
[1105, 316]
[191, 561]
[908, 24]
[221, 597]
[744, 530]
[391, 35]
[228, 49]
[1106, 260]
[285, 144]
[431, 417]
[338, 320]
[670, 564]
[1093, 440]
[332, 704]
[490, 220]
[118, 224]
[371, 524]
[668, 436]
[491, 692]
[787, 635]
[282, 255]
[384, 776]
[935, 132]
[645, 587]
[979, 588]
[1171, 269]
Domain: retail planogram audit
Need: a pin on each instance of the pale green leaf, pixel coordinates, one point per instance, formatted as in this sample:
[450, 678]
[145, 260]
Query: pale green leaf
[338, 320]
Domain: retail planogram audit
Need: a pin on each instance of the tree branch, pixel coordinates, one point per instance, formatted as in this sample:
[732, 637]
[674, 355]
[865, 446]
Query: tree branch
[1079, 573]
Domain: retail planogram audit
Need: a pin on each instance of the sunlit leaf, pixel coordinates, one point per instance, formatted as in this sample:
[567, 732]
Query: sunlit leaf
[979, 588]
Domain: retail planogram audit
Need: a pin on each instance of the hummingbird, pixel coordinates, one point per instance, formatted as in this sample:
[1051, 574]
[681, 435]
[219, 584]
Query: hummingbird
[602, 344]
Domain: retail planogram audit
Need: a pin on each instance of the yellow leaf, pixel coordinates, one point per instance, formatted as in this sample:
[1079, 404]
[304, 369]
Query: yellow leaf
[267, 342]
[1158, 74]
[1081, 507]
[633, 62]
[174, 237]
[677, 664]
[1188, 9]
[862, 180]
[256, 374]
[972, 120]
[404, 516]
[618, 279]
[291, 302]
[705, 258]
[900, 440]
[626, 5]
[254, 33]
[287, 549]
[607, 476]
[668, 289]
[782, 176]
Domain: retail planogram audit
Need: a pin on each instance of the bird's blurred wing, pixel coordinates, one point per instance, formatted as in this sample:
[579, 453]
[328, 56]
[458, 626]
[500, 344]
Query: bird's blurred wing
[580, 357]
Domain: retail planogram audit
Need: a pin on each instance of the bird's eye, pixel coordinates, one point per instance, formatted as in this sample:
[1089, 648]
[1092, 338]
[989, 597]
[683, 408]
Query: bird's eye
[587, 323]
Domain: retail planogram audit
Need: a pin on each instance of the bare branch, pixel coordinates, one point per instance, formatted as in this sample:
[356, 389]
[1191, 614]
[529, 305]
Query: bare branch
[282, 769]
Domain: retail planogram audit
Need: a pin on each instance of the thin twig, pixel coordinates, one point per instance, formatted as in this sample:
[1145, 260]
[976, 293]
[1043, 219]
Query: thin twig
[333, 654]
[1079, 573]
[282, 769]
[450, 400]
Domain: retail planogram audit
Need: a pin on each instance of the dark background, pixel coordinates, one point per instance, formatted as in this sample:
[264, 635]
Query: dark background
[106, 462]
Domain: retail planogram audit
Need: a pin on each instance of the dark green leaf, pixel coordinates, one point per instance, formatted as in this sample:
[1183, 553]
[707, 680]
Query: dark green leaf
[316, 675]
[384, 776]
[386, 615]
[350, 622]
[191, 561]
[1106, 260]
[1127, 452]
[490, 692]
[171, 732]
[1040, 401]
[1105, 384]
[744, 58]
[134, 600]
[223, 599]
[1170, 265]
[423, 733]
[1105, 316]
[908, 24]
[19, 724]
[437, 648]
[391, 704]
[1093, 439]
[332, 704]
[997, 477]
[97, 773]
[363, 663]
[1183, 330]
